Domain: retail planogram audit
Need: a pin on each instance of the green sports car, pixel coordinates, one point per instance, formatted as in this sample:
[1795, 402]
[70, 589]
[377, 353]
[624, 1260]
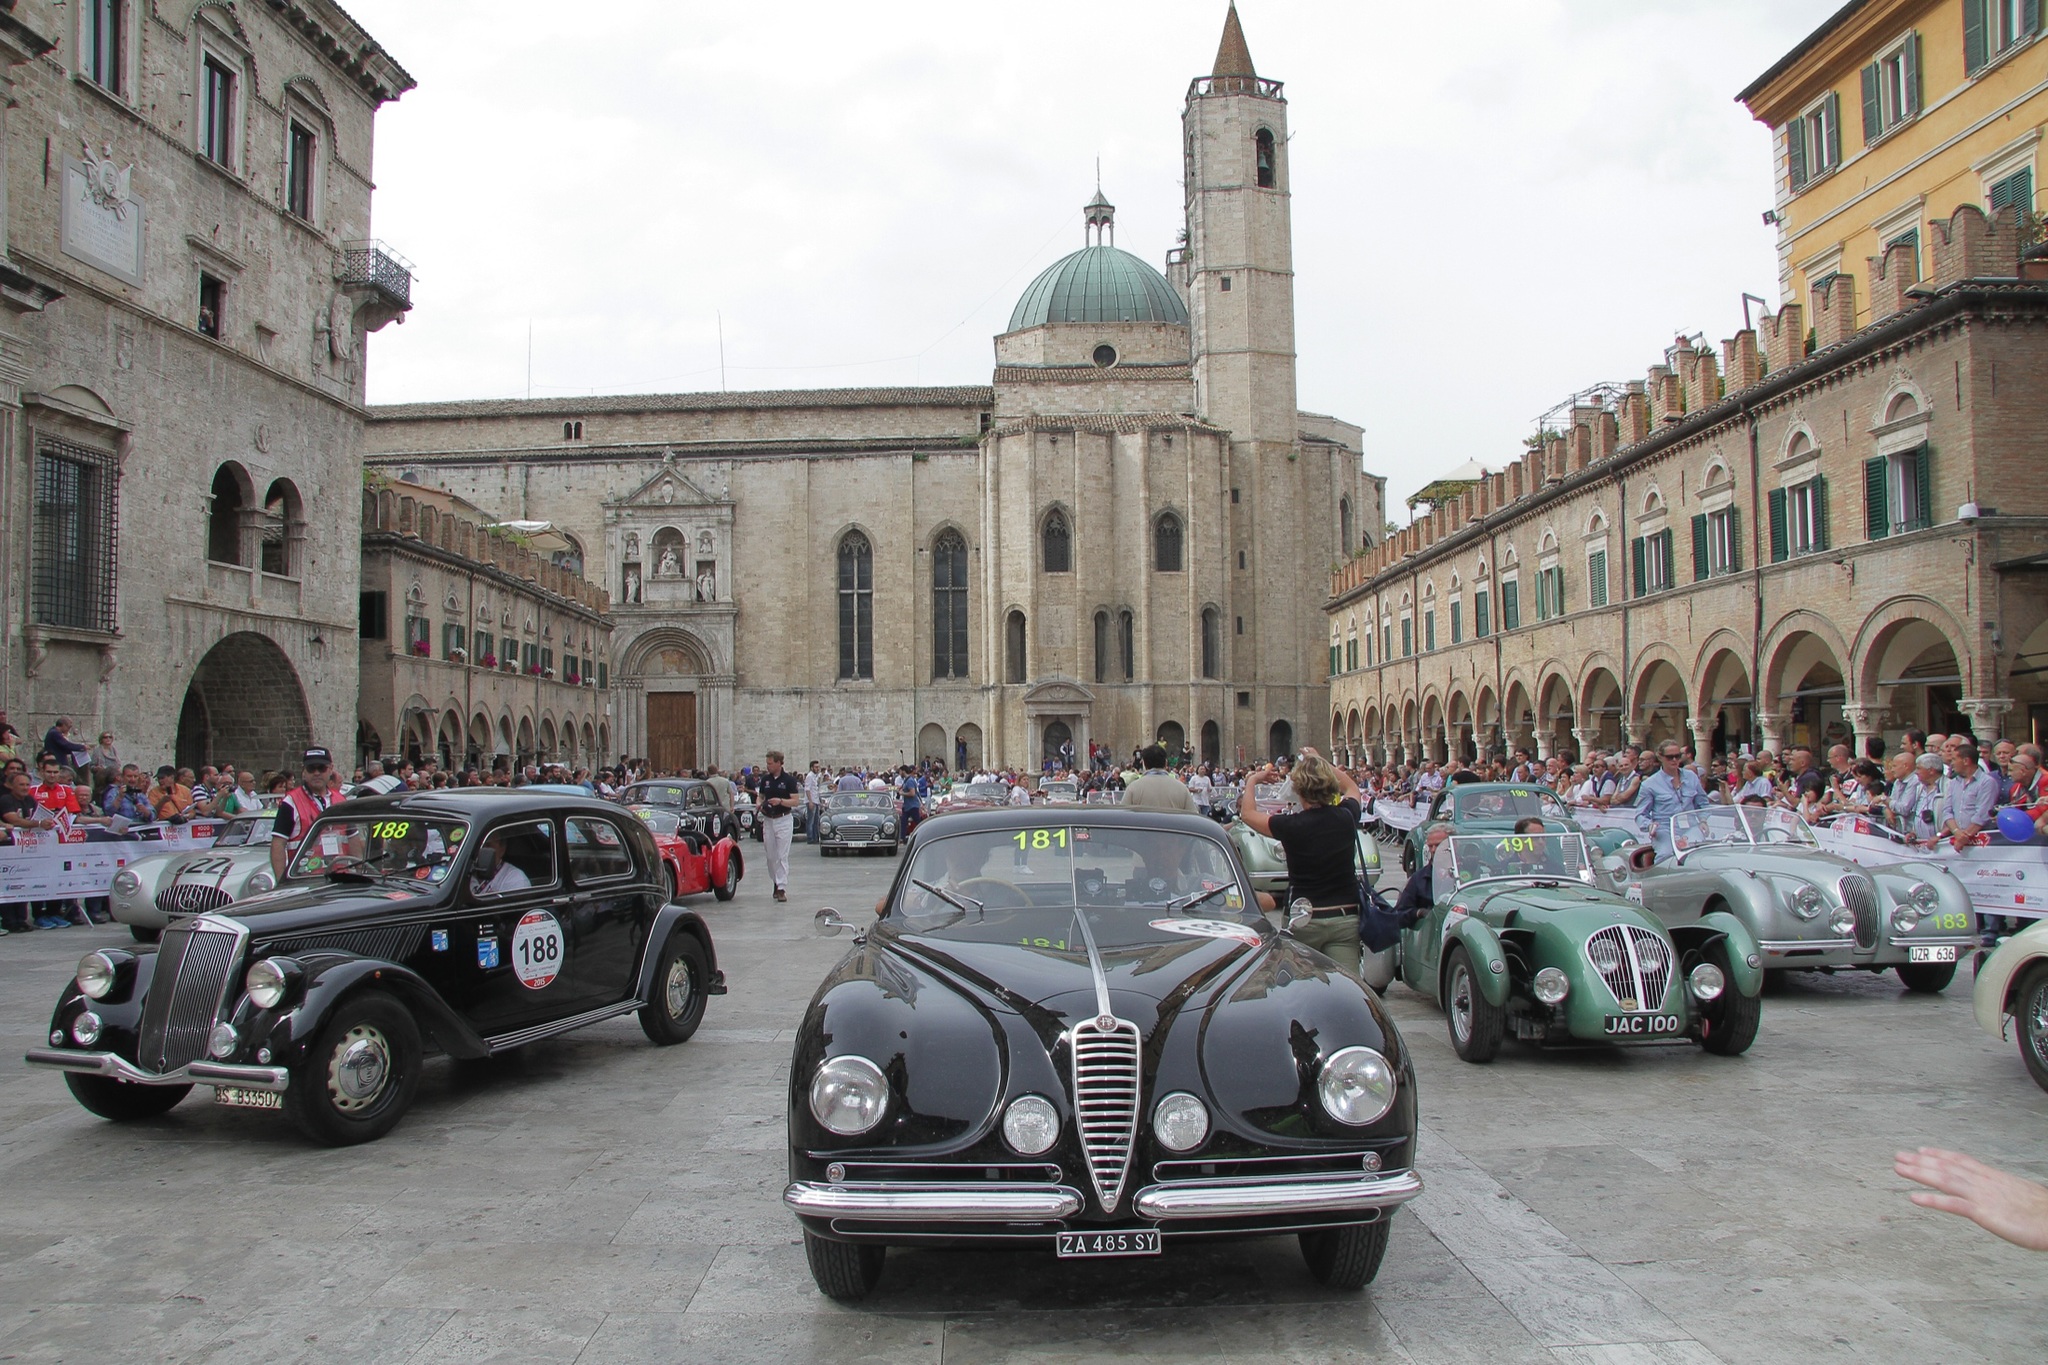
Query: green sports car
[1522, 943]
[1496, 807]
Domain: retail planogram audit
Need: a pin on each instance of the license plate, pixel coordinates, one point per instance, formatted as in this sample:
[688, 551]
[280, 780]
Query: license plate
[1142, 1242]
[1642, 1025]
[1932, 953]
[247, 1099]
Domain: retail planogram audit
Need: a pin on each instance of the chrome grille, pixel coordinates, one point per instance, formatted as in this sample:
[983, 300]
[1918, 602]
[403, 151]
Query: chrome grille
[1859, 893]
[192, 973]
[1105, 1061]
[1644, 973]
[191, 898]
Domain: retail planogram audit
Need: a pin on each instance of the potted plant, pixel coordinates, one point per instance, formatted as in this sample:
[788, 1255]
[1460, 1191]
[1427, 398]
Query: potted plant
[422, 649]
[489, 661]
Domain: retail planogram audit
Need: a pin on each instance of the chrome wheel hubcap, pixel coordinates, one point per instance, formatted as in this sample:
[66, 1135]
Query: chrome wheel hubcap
[359, 1069]
[1461, 1004]
[2034, 1023]
[679, 988]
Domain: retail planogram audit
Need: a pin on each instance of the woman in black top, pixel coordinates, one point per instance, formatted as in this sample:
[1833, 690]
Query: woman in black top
[1321, 843]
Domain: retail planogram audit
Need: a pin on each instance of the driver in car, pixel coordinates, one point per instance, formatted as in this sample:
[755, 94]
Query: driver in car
[960, 861]
[492, 874]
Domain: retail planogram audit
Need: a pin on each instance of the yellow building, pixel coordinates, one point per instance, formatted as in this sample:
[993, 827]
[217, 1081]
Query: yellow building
[1888, 116]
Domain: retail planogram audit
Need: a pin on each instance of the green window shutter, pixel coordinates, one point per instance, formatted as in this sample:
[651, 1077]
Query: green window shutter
[1670, 560]
[1877, 518]
[1923, 472]
[1558, 593]
[1510, 606]
[1641, 552]
[1734, 540]
[2030, 16]
[1596, 578]
[1333, 661]
[1480, 625]
[1873, 108]
[1407, 637]
[1429, 631]
[1820, 511]
[1976, 35]
[1834, 121]
[1457, 623]
[1912, 60]
[1780, 539]
[1795, 153]
[1702, 563]
[2017, 190]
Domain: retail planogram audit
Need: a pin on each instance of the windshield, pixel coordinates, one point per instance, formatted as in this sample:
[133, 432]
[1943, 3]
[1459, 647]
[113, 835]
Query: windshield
[397, 846]
[1469, 858]
[982, 791]
[1739, 825]
[236, 833]
[861, 801]
[1508, 803]
[1103, 797]
[1065, 866]
[1061, 791]
[658, 820]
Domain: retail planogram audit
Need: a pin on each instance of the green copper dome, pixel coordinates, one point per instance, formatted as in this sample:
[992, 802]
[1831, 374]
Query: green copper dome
[1098, 284]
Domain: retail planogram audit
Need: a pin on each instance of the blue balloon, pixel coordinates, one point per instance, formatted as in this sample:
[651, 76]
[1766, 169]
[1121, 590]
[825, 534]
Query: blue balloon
[2015, 824]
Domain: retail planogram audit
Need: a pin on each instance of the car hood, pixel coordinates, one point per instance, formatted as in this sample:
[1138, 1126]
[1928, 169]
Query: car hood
[1811, 864]
[305, 905]
[1571, 907]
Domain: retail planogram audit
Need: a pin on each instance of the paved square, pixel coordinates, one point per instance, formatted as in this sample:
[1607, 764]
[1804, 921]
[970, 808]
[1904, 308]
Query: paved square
[596, 1199]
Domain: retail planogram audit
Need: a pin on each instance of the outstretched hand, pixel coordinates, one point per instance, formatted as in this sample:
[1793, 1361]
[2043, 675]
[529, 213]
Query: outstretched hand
[2001, 1203]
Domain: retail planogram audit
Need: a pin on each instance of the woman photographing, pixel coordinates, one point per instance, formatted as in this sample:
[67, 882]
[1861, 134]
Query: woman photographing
[1321, 843]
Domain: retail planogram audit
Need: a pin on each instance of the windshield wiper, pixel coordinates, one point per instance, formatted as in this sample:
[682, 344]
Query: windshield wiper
[962, 902]
[1195, 898]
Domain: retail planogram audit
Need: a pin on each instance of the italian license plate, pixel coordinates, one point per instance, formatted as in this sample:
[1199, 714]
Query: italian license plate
[247, 1099]
[1932, 953]
[1139, 1242]
[1642, 1025]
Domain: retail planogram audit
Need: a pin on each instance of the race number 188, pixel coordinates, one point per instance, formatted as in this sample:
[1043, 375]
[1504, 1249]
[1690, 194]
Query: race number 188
[537, 949]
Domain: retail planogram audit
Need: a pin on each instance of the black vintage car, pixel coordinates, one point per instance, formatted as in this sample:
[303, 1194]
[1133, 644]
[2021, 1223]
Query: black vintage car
[468, 921]
[1069, 1028]
[696, 798]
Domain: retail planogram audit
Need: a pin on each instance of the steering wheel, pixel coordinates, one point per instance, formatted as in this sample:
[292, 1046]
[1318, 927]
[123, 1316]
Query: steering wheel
[1775, 835]
[994, 894]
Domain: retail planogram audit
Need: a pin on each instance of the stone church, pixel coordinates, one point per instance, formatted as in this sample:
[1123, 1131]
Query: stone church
[1126, 536]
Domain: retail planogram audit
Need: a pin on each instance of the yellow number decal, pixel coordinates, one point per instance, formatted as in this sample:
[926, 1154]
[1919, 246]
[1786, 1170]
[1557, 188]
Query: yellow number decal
[1516, 843]
[390, 829]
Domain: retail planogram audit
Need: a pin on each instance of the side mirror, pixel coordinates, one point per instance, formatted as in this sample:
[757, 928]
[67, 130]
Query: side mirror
[1643, 858]
[829, 923]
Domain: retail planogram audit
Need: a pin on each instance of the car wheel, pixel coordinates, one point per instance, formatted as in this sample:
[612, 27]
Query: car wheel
[123, 1101]
[1926, 978]
[1730, 1022]
[142, 935]
[669, 874]
[358, 1078]
[1476, 1026]
[2030, 1006]
[678, 1004]
[1348, 1257]
[845, 1271]
[1408, 857]
[729, 885]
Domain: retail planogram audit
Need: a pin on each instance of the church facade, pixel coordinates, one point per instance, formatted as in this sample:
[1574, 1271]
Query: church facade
[1126, 536]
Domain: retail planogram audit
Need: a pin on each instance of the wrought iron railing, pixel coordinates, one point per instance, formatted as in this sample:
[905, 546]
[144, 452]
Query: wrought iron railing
[377, 266]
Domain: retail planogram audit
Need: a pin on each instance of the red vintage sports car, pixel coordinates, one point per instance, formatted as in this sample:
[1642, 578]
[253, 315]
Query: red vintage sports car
[695, 862]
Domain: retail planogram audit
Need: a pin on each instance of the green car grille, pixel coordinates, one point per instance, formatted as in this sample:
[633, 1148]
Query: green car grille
[1643, 972]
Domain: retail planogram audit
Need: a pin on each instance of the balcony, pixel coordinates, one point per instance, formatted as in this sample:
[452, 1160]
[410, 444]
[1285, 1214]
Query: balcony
[373, 266]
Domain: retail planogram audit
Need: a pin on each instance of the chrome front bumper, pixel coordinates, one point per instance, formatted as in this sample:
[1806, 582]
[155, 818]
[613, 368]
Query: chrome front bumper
[991, 1203]
[1779, 947]
[192, 1073]
[1961, 945]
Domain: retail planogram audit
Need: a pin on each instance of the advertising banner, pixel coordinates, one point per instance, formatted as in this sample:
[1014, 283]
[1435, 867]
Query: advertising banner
[80, 862]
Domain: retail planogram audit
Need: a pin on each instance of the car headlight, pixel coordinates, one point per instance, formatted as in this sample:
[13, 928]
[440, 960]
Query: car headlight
[849, 1095]
[95, 976]
[267, 981]
[1923, 897]
[1604, 956]
[1905, 920]
[1843, 920]
[1806, 902]
[1357, 1086]
[126, 883]
[1707, 982]
[261, 882]
[1031, 1125]
[221, 1042]
[888, 827]
[1650, 956]
[85, 1029]
[1181, 1122]
[1551, 985]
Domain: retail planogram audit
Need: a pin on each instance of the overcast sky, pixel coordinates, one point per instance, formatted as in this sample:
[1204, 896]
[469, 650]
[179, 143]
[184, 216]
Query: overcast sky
[1495, 203]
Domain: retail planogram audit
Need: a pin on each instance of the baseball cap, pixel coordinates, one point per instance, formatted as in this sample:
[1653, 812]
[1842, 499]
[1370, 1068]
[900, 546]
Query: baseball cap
[167, 771]
[317, 755]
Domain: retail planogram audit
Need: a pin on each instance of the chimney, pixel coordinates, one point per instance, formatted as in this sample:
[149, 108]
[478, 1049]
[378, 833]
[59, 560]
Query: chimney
[1834, 311]
[1784, 334]
[1739, 356]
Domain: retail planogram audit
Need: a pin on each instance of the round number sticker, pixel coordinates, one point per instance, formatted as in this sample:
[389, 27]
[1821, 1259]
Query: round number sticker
[537, 949]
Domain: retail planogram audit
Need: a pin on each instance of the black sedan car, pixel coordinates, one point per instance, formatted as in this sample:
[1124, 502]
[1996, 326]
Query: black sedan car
[471, 922]
[1070, 1028]
[696, 798]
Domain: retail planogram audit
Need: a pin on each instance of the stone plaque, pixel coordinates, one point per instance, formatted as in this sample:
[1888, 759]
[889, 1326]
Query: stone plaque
[101, 223]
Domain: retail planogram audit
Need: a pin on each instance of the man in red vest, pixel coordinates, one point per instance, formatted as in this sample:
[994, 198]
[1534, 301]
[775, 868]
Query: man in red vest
[300, 808]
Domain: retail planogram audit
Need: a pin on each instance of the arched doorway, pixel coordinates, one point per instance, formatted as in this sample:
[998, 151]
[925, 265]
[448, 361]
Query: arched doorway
[1174, 740]
[1805, 680]
[1057, 735]
[1727, 700]
[967, 748]
[1280, 739]
[1212, 743]
[244, 706]
[481, 741]
[1660, 704]
[1600, 709]
[931, 742]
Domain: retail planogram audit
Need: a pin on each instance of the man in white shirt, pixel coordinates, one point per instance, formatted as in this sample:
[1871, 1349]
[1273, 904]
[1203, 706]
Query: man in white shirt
[814, 795]
[492, 875]
[1020, 795]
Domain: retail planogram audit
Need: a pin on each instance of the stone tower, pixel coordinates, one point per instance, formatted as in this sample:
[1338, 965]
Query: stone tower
[1238, 274]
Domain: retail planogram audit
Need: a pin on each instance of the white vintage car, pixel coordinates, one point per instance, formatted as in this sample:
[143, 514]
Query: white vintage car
[2013, 984]
[152, 891]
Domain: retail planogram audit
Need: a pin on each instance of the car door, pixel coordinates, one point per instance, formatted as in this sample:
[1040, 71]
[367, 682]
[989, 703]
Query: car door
[513, 937]
[604, 911]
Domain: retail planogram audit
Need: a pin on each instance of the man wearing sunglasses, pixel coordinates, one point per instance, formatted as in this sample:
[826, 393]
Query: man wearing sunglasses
[301, 806]
[1671, 790]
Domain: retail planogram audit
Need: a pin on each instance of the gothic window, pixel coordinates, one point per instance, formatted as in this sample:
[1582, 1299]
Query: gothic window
[284, 529]
[298, 171]
[224, 516]
[856, 607]
[949, 607]
[73, 564]
[1013, 648]
[1263, 145]
[1166, 543]
[1212, 642]
[1102, 646]
[1056, 543]
[102, 55]
[217, 111]
[1344, 526]
[1127, 631]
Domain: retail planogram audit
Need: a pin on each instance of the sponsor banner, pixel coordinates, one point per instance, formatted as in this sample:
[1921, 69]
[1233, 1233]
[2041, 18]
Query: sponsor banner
[2002, 878]
[81, 861]
[1396, 814]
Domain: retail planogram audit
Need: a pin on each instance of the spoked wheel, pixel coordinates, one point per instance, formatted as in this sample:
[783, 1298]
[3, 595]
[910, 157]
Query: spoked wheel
[1476, 1026]
[729, 885]
[845, 1271]
[2030, 1006]
[123, 1101]
[358, 1079]
[678, 1004]
[1731, 1021]
[1347, 1258]
[1926, 978]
